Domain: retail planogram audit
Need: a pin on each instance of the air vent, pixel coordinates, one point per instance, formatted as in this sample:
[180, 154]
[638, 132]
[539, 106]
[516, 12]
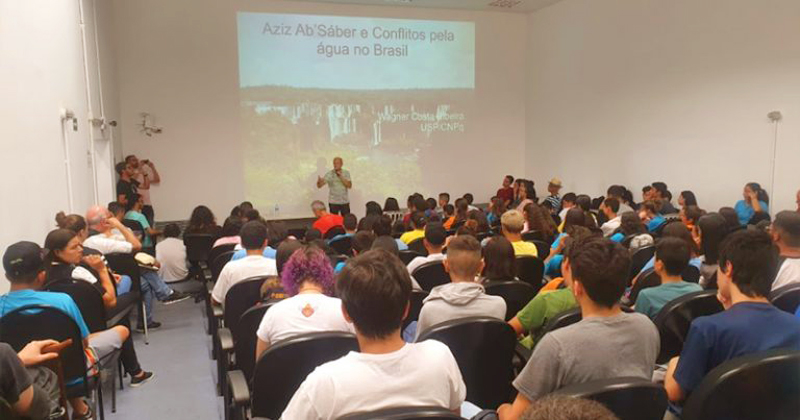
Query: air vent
[506, 4]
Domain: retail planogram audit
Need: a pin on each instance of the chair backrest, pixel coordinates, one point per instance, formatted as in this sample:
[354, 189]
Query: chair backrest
[343, 245]
[417, 296]
[127, 265]
[240, 297]
[691, 274]
[407, 255]
[5, 410]
[676, 316]
[198, 245]
[563, 319]
[628, 398]
[418, 246]
[484, 349]
[218, 263]
[334, 231]
[430, 275]
[649, 278]
[531, 236]
[283, 367]
[542, 248]
[40, 322]
[516, 293]
[530, 270]
[217, 250]
[639, 259]
[245, 339]
[757, 386]
[786, 298]
[135, 226]
[88, 299]
[405, 413]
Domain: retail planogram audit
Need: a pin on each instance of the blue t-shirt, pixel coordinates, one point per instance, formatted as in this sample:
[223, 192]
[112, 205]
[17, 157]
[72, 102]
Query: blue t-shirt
[617, 237]
[655, 223]
[745, 328]
[694, 262]
[61, 301]
[268, 252]
[745, 211]
[651, 300]
[136, 216]
[342, 236]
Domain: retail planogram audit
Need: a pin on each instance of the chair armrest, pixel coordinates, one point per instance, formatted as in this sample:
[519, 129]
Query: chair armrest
[240, 393]
[523, 353]
[225, 340]
[217, 311]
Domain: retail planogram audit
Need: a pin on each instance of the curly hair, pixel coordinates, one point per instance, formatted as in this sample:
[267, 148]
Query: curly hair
[307, 264]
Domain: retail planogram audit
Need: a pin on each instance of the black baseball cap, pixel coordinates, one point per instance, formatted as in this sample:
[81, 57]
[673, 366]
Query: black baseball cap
[23, 259]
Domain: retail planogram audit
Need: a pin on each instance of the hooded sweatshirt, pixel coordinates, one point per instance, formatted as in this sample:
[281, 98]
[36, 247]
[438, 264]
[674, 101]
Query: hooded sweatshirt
[458, 300]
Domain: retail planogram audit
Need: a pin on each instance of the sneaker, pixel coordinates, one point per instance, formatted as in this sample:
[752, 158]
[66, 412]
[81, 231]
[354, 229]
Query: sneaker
[176, 297]
[136, 381]
[86, 416]
[151, 326]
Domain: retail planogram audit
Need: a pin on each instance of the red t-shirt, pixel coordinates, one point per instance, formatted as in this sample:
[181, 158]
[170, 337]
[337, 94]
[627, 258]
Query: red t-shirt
[324, 223]
[507, 194]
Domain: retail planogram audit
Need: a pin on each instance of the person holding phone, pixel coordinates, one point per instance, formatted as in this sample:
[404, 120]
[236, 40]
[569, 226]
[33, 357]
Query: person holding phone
[338, 181]
[145, 174]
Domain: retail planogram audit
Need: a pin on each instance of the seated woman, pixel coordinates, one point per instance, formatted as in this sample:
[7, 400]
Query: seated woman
[202, 221]
[230, 231]
[755, 200]
[689, 215]
[308, 279]
[631, 225]
[498, 260]
[574, 224]
[497, 206]
[709, 232]
[538, 220]
[650, 213]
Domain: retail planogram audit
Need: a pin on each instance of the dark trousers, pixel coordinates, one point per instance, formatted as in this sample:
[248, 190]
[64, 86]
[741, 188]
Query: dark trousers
[339, 208]
[127, 353]
[150, 214]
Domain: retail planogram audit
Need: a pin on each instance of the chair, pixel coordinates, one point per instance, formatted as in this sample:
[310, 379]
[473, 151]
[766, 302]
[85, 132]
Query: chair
[217, 250]
[418, 246]
[218, 263]
[408, 255]
[198, 246]
[484, 349]
[563, 319]
[334, 231]
[404, 413]
[628, 398]
[530, 270]
[40, 322]
[757, 386]
[134, 226]
[127, 265]
[343, 245]
[639, 259]
[542, 248]
[786, 298]
[675, 317]
[649, 278]
[517, 294]
[417, 296]
[430, 275]
[282, 368]
[691, 274]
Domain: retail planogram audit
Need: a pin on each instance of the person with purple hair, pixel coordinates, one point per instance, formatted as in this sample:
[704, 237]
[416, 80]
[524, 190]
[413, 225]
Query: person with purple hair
[308, 279]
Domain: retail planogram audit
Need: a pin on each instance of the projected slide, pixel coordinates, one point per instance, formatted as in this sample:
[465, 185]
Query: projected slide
[387, 95]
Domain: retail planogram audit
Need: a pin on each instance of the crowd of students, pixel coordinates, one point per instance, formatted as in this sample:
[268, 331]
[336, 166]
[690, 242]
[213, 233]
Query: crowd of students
[739, 251]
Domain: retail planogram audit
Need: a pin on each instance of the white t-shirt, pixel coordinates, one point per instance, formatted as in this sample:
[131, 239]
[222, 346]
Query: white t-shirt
[301, 314]
[144, 192]
[171, 253]
[789, 273]
[81, 273]
[418, 261]
[610, 226]
[236, 271]
[108, 245]
[419, 374]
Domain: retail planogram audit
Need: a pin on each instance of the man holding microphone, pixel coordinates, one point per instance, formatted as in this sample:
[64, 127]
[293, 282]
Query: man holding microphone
[339, 182]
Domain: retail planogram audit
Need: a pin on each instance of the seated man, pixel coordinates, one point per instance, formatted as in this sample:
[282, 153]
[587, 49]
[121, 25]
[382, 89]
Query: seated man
[672, 257]
[786, 235]
[749, 324]
[650, 213]
[606, 343]
[350, 223]
[32, 391]
[383, 227]
[103, 239]
[25, 269]
[418, 222]
[387, 372]
[254, 239]
[463, 297]
[325, 220]
[610, 208]
[512, 223]
[171, 253]
[362, 242]
[134, 212]
[434, 239]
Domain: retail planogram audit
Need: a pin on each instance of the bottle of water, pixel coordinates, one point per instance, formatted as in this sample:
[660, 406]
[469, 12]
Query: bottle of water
[277, 211]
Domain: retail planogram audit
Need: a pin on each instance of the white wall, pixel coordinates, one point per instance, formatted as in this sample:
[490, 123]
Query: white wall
[635, 91]
[42, 69]
[178, 61]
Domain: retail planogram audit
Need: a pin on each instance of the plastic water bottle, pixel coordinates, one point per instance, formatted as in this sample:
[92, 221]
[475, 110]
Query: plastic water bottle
[277, 211]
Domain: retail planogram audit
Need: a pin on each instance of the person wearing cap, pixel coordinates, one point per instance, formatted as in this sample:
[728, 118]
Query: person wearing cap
[554, 199]
[24, 267]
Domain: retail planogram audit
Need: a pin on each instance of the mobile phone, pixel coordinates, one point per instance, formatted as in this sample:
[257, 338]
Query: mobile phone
[57, 347]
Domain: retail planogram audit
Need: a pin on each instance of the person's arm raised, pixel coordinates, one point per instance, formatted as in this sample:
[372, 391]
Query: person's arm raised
[127, 233]
[97, 264]
[346, 181]
[156, 177]
[320, 181]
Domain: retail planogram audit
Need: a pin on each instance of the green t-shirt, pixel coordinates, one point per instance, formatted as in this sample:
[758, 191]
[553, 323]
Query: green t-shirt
[541, 309]
[139, 217]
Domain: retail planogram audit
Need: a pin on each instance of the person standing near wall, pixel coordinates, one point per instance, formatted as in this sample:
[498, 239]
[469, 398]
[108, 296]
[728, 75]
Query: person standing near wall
[145, 174]
[339, 182]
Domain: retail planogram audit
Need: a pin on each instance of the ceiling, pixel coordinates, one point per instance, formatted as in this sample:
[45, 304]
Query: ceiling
[518, 6]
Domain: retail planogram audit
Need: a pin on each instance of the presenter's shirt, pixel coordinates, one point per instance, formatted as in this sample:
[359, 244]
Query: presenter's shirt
[337, 192]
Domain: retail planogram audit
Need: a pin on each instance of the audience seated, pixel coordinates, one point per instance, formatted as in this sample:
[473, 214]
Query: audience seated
[690, 215]
[631, 226]
[506, 192]
[350, 223]
[786, 235]
[512, 223]
[444, 199]
[619, 192]
[496, 209]
[606, 343]
[567, 202]
[134, 212]
[525, 194]
[383, 228]
[387, 372]
[709, 232]
[254, 239]
[498, 260]
[539, 222]
[203, 222]
[308, 278]
[747, 264]
[171, 254]
[230, 231]
[687, 198]
[661, 193]
[31, 391]
[567, 408]
[650, 213]
[362, 242]
[448, 215]
[418, 228]
[672, 257]
[387, 244]
[610, 208]
[678, 230]
[463, 297]
[325, 220]
[755, 200]
[575, 224]
[25, 269]
[434, 240]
